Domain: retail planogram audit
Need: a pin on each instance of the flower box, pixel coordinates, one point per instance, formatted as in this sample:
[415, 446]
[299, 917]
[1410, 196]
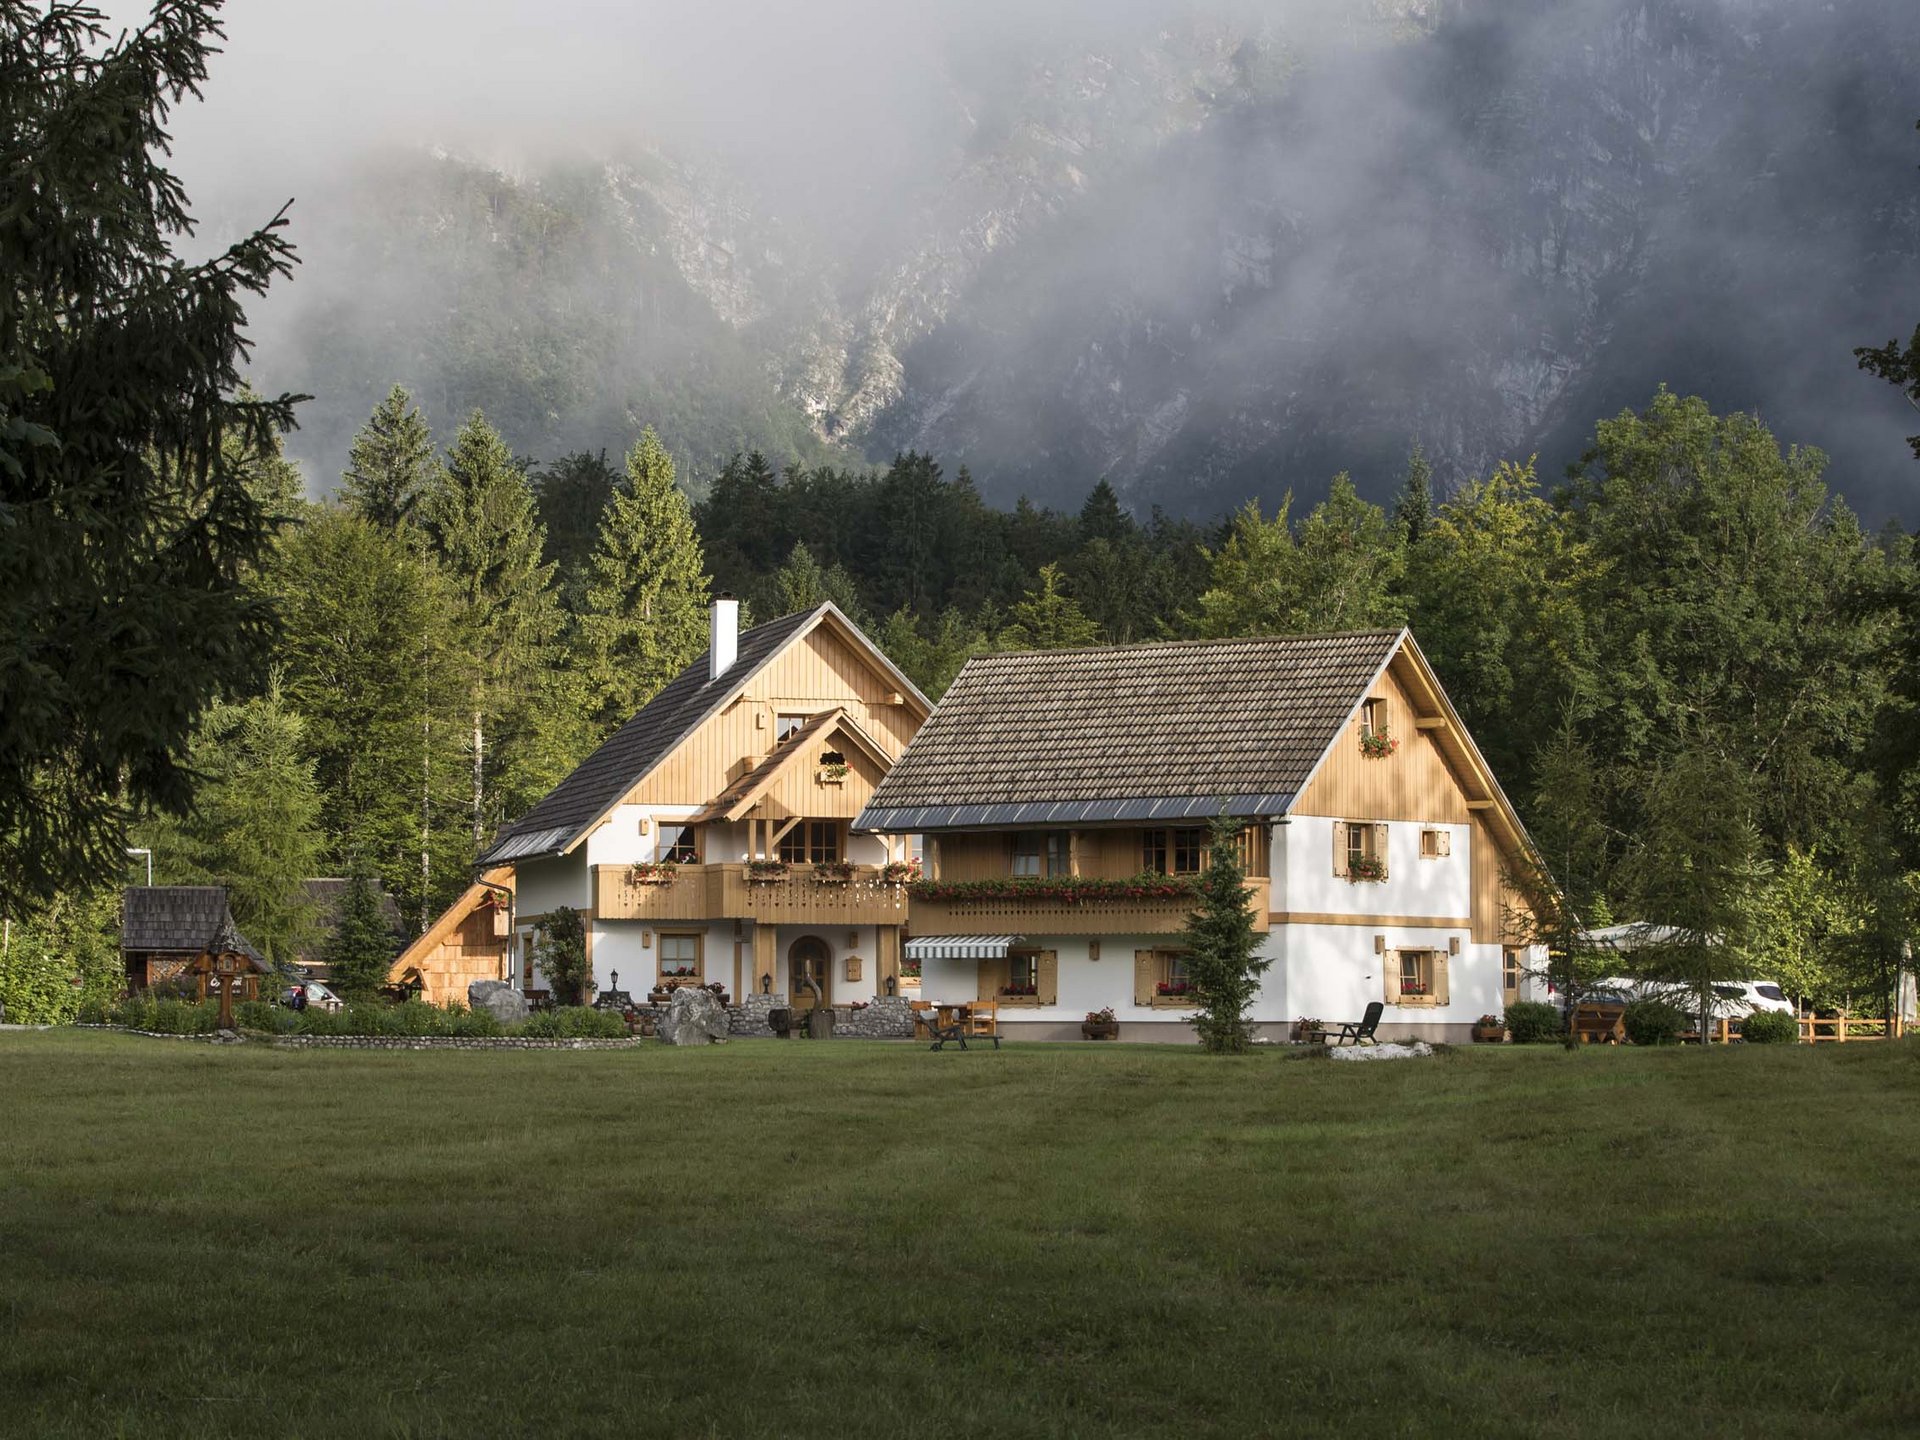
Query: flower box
[767, 872]
[834, 872]
[1100, 1029]
[834, 774]
[900, 872]
[1378, 744]
[1366, 867]
[652, 872]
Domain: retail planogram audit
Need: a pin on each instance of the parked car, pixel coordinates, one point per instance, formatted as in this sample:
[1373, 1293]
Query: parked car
[319, 997]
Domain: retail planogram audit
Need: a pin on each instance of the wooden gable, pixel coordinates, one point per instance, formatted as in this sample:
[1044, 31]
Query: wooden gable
[825, 668]
[1416, 782]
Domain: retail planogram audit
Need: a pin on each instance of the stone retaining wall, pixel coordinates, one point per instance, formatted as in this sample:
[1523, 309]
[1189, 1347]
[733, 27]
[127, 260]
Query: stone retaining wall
[888, 1018]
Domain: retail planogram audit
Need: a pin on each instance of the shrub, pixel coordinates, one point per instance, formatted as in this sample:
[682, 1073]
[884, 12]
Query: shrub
[1653, 1022]
[367, 1017]
[177, 1017]
[472, 1024]
[417, 1017]
[93, 1011]
[1769, 1027]
[315, 1021]
[574, 1022]
[1532, 1022]
[259, 1015]
[135, 1012]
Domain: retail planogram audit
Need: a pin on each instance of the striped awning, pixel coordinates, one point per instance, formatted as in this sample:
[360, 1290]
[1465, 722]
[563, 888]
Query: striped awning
[960, 947]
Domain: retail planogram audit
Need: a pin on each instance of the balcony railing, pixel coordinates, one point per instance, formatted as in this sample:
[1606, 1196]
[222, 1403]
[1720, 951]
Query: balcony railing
[1009, 915]
[727, 892]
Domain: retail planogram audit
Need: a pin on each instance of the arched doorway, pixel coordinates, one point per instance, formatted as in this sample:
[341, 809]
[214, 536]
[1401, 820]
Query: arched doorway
[807, 960]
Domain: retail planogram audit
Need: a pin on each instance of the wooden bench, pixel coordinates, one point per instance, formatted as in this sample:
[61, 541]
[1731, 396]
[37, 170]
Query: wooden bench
[1599, 1024]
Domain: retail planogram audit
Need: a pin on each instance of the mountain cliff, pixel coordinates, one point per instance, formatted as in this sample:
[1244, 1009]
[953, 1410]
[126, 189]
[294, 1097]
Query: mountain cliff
[1218, 261]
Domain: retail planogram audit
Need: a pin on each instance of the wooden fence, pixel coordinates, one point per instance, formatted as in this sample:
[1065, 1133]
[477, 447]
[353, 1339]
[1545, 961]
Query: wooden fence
[1843, 1027]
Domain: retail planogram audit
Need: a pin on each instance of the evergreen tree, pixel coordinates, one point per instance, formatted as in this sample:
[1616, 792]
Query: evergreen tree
[571, 495]
[391, 468]
[1339, 572]
[1224, 965]
[373, 666]
[801, 584]
[255, 826]
[646, 606]
[360, 952]
[1101, 517]
[1048, 618]
[931, 655]
[480, 520]
[128, 536]
[1415, 506]
[561, 955]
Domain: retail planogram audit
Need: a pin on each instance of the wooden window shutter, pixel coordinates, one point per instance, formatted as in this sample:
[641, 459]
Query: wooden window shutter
[1439, 990]
[1390, 962]
[1340, 848]
[1146, 973]
[1380, 848]
[1046, 974]
[993, 975]
[1443, 842]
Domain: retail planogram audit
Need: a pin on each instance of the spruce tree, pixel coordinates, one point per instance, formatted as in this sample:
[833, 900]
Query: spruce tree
[391, 467]
[646, 606]
[1415, 507]
[801, 584]
[360, 952]
[562, 956]
[1048, 618]
[127, 535]
[481, 524]
[1223, 963]
[255, 826]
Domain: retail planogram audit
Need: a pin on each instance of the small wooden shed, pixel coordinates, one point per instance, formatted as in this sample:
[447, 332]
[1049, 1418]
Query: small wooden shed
[165, 930]
[470, 942]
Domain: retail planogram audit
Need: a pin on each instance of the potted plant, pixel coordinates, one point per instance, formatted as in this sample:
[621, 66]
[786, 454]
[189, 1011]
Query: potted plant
[833, 872]
[766, 872]
[652, 872]
[1307, 1030]
[1489, 1030]
[1100, 1025]
[1378, 744]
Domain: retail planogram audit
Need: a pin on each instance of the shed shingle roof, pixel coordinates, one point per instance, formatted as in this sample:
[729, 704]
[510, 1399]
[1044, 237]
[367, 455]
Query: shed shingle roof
[1130, 733]
[636, 747]
[183, 918]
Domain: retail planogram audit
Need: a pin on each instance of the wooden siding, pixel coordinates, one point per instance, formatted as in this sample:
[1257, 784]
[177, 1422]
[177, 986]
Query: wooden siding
[816, 672]
[1413, 783]
[1103, 854]
[1494, 899]
[472, 951]
[800, 790]
[1060, 917]
[722, 892]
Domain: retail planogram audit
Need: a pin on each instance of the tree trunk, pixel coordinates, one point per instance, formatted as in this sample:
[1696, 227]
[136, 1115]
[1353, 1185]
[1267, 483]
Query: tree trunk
[479, 778]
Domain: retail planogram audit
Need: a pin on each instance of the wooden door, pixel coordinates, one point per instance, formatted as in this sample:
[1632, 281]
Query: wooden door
[808, 960]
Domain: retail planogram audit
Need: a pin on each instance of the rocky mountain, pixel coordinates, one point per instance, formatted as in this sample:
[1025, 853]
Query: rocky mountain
[1221, 260]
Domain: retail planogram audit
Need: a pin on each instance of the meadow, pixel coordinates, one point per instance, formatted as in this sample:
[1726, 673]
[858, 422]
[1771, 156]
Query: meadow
[774, 1238]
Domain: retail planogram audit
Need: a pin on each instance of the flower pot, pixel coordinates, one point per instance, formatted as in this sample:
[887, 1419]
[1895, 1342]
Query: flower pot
[1097, 1031]
[1489, 1034]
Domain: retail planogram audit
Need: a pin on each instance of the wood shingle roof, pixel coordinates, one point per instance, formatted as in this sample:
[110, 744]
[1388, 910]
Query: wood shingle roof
[1144, 732]
[182, 919]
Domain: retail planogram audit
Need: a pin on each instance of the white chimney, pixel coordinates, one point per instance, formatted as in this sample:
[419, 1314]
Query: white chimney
[724, 643]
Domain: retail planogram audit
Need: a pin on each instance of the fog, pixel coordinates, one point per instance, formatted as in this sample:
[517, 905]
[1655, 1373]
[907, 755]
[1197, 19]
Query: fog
[1210, 250]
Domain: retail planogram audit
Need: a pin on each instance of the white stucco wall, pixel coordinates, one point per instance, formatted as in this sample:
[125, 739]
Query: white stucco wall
[543, 885]
[1304, 882]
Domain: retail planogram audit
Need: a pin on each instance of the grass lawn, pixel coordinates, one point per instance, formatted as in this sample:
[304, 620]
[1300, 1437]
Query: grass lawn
[857, 1239]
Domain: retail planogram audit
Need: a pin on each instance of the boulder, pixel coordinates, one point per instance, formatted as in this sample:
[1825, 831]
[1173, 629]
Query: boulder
[694, 1016]
[506, 1004]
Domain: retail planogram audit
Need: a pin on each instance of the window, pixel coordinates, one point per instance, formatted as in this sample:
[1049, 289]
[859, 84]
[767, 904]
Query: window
[1373, 716]
[1160, 978]
[1023, 972]
[1510, 971]
[1435, 843]
[1359, 847]
[786, 726]
[678, 845]
[1173, 852]
[1417, 975]
[1042, 852]
[680, 958]
[811, 842]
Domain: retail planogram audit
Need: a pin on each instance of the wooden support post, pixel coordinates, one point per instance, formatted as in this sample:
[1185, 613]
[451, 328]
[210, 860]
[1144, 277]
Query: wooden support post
[766, 959]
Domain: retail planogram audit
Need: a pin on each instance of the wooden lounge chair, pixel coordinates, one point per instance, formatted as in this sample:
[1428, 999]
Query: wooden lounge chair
[1352, 1032]
[984, 1019]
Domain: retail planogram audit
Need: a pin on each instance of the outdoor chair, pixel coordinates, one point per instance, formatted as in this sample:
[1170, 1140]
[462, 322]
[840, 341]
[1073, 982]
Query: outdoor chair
[1352, 1032]
[984, 1019]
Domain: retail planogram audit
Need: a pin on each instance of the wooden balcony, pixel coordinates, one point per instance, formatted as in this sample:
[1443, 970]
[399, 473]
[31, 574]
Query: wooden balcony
[1002, 916]
[723, 892]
